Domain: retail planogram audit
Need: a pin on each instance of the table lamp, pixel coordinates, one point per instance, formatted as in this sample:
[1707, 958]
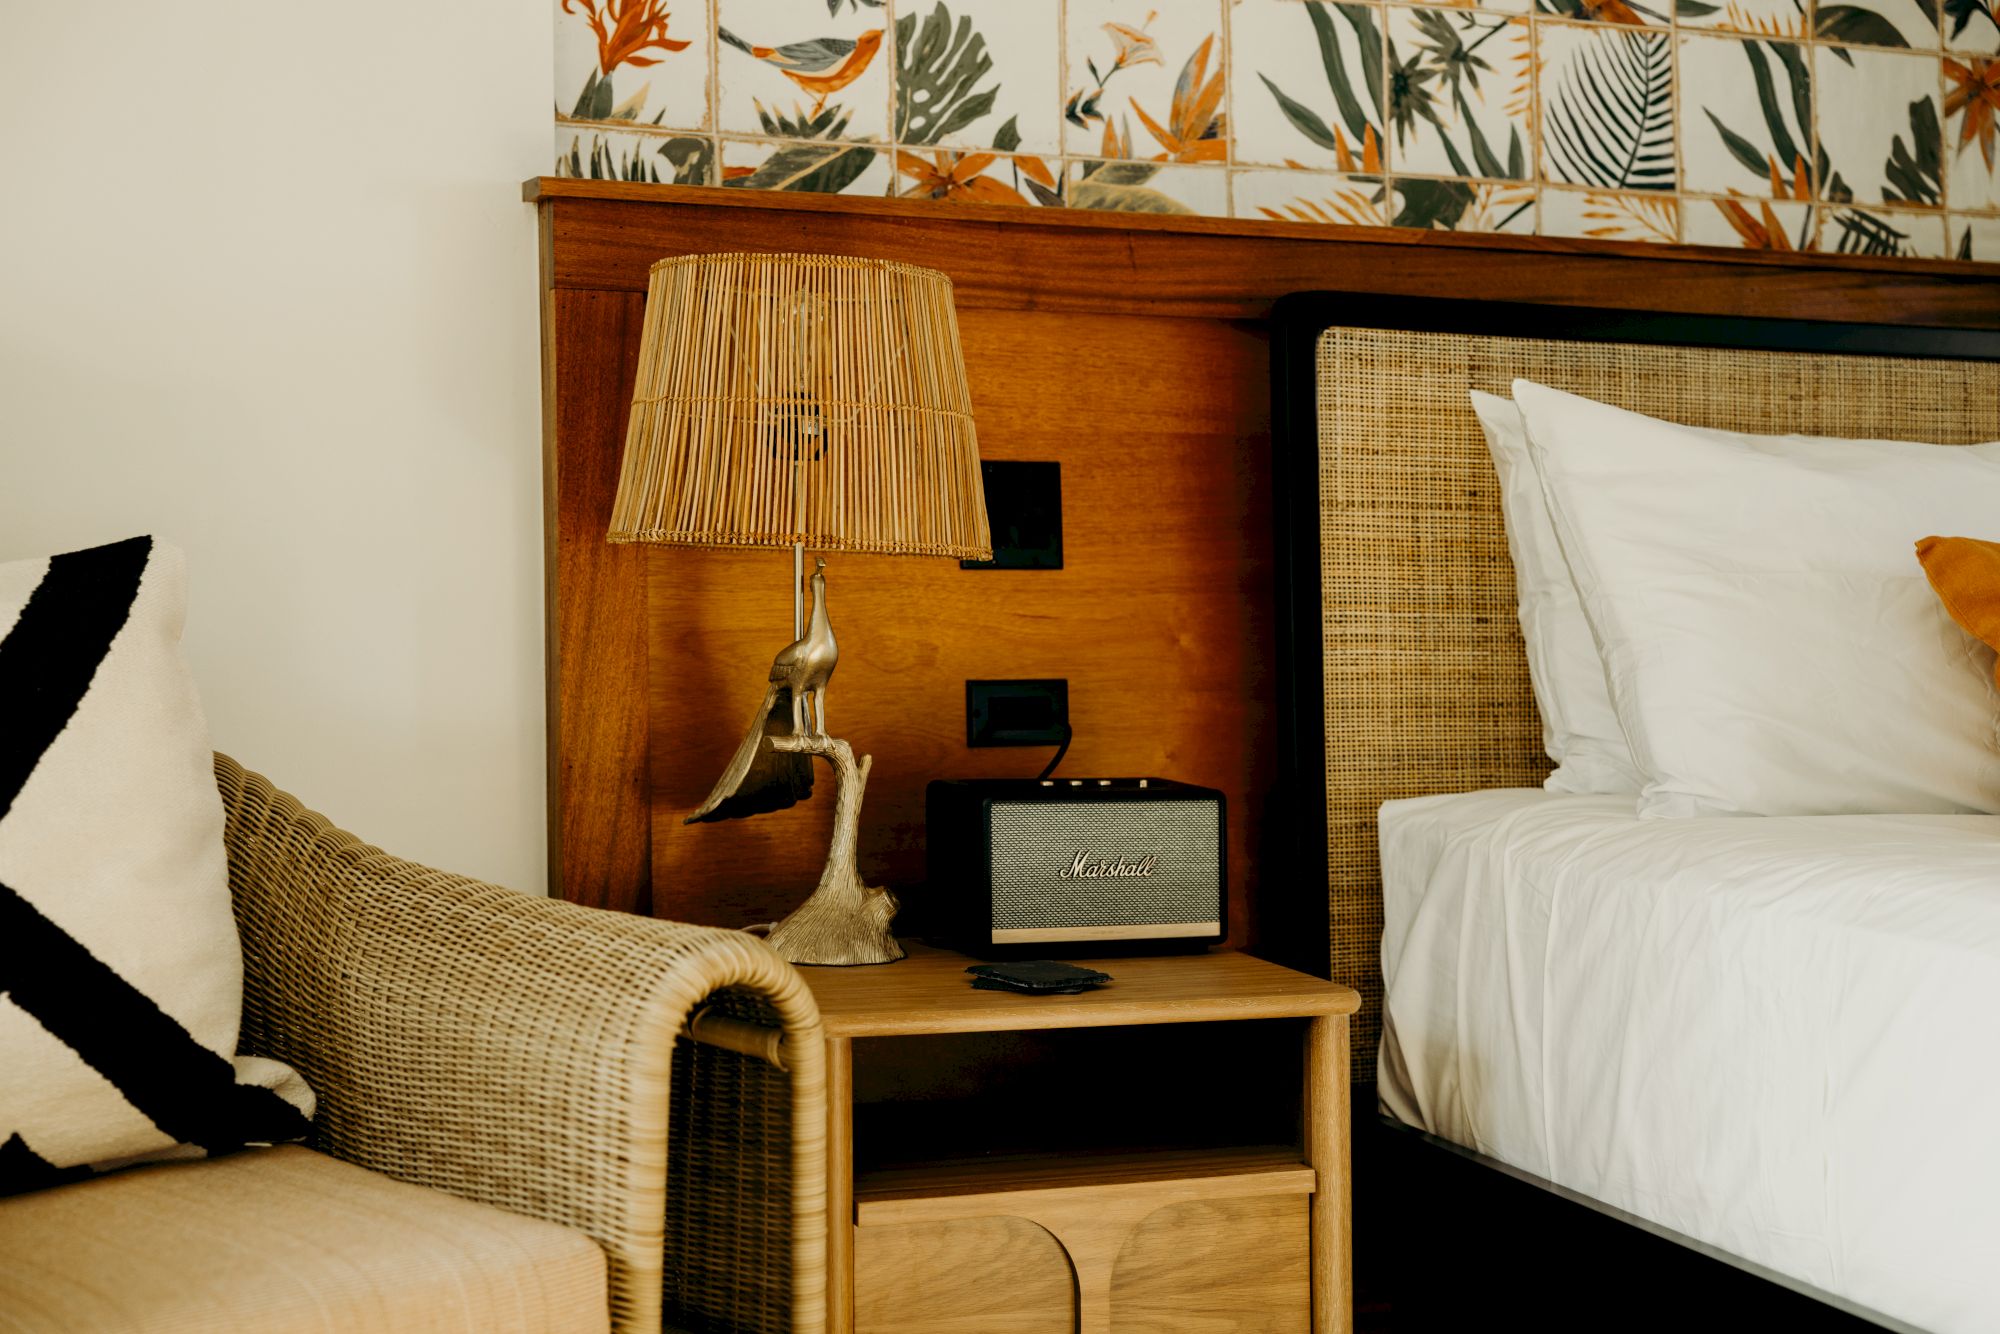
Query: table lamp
[803, 401]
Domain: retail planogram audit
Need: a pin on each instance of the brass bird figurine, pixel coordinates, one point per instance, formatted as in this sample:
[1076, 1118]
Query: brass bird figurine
[821, 67]
[804, 666]
[760, 778]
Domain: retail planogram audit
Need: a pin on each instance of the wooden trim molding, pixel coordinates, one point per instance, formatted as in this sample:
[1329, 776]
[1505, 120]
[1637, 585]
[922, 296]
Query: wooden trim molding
[1196, 284]
[540, 189]
[1236, 268]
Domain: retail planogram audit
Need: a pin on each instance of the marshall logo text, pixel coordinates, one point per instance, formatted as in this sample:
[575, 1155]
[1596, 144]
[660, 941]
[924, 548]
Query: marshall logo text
[1086, 867]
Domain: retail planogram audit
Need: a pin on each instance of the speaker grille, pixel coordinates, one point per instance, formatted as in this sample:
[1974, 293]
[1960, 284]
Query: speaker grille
[1034, 845]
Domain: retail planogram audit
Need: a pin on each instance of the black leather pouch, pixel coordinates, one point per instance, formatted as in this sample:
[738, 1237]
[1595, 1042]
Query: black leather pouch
[1044, 977]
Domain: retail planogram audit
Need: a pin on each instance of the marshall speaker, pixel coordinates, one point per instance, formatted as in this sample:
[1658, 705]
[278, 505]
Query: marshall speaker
[1031, 863]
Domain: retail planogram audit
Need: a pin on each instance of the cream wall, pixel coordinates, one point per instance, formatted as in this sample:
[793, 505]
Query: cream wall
[267, 289]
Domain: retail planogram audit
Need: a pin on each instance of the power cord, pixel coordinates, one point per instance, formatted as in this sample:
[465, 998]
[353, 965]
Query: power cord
[1062, 749]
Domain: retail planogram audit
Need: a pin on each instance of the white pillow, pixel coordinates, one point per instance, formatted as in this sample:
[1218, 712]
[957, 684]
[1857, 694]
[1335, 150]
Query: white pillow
[1769, 639]
[121, 977]
[1579, 729]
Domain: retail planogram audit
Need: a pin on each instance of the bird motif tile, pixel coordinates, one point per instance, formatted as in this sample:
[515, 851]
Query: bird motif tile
[1626, 13]
[802, 69]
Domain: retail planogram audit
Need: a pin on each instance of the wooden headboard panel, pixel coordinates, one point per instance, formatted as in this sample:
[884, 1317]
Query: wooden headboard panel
[1132, 350]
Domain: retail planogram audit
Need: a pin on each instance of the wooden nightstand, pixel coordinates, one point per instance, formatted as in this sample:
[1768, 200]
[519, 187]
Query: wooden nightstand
[936, 1231]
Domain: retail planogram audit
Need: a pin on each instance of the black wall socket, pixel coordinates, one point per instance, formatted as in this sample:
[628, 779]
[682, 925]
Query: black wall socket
[1017, 713]
[1024, 507]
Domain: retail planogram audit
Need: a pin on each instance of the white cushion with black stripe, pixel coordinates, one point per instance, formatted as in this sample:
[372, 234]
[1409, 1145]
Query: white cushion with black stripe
[121, 976]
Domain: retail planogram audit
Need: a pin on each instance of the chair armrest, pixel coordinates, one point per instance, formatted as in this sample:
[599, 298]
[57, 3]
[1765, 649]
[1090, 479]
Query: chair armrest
[523, 1052]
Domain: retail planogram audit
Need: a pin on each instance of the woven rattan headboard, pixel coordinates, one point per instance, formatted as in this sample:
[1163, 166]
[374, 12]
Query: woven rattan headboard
[1402, 672]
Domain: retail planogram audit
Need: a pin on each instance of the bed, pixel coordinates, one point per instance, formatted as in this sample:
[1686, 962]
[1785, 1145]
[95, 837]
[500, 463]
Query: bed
[1725, 1026]
[1767, 1039]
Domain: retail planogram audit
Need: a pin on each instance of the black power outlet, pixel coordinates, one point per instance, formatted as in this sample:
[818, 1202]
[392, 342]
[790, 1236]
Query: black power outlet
[1017, 713]
[1024, 508]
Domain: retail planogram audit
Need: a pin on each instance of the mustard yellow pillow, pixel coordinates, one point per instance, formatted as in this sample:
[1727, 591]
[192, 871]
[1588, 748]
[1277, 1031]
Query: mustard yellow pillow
[1965, 572]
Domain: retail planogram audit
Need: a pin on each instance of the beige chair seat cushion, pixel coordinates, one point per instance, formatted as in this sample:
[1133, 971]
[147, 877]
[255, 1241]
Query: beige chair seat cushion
[286, 1239]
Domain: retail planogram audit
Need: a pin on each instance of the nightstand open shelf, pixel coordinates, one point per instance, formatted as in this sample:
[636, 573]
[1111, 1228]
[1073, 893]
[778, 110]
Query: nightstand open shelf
[1250, 1170]
[1048, 1176]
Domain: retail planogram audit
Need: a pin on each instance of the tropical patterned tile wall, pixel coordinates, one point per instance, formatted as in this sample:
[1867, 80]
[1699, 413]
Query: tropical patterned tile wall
[1863, 126]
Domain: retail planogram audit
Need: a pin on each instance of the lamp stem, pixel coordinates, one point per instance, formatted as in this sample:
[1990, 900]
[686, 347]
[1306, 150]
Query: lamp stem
[799, 526]
[798, 591]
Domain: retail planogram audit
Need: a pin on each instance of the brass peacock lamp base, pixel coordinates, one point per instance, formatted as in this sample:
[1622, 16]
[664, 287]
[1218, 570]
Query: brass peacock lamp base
[844, 921]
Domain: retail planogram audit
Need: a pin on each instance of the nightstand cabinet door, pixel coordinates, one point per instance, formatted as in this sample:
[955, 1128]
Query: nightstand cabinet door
[966, 1276]
[1106, 1261]
[1215, 1267]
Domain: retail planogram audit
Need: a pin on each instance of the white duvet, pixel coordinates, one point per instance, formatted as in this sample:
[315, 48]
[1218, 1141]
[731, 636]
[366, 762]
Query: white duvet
[1780, 1036]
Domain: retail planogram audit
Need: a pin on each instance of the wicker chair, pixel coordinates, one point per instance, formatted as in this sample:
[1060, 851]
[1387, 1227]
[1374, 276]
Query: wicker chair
[529, 1054]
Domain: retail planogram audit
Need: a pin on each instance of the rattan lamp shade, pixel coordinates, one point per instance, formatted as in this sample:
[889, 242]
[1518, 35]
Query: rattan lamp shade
[815, 399]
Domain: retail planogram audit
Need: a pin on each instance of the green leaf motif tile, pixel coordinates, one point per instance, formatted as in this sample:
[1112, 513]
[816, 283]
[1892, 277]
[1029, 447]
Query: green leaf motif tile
[1847, 230]
[1148, 187]
[1608, 108]
[1746, 117]
[1881, 135]
[641, 62]
[1971, 26]
[1461, 85]
[589, 154]
[1145, 80]
[1322, 71]
[1905, 24]
[1325, 198]
[821, 168]
[1610, 216]
[1782, 19]
[1976, 238]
